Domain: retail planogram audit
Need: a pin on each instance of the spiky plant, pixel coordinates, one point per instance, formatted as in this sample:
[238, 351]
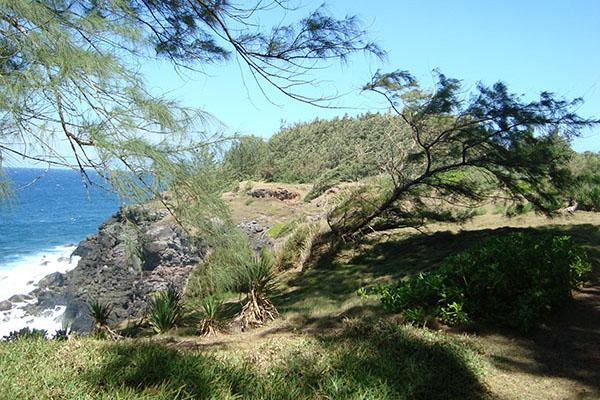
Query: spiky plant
[100, 312]
[257, 281]
[211, 313]
[166, 310]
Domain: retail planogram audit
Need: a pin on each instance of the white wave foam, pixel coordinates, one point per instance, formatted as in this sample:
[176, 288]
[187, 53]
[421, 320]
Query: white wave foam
[21, 277]
[15, 319]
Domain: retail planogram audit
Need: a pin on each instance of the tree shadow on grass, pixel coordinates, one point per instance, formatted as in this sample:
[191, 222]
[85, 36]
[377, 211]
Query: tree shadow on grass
[566, 346]
[379, 361]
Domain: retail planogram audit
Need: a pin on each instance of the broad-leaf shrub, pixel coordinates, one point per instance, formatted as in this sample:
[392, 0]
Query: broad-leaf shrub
[513, 281]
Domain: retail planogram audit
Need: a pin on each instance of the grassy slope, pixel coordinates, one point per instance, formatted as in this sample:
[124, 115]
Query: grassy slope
[319, 349]
[381, 362]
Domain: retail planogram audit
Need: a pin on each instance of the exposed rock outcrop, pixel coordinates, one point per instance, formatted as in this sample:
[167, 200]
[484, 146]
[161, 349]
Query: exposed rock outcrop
[277, 193]
[134, 254]
[257, 234]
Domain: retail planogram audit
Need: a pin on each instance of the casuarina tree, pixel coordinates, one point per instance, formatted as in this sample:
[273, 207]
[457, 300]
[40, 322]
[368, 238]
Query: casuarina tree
[451, 150]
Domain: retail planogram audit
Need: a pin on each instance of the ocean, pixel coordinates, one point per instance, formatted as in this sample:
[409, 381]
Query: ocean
[40, 225]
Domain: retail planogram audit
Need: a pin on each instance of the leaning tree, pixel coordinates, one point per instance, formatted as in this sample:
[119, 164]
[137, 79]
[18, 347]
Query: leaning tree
[451, 150]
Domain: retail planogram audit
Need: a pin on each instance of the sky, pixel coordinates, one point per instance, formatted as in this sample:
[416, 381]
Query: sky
[532, 46]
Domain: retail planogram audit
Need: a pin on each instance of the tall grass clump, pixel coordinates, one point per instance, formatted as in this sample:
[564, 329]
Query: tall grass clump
[166, 310]
[513, 281]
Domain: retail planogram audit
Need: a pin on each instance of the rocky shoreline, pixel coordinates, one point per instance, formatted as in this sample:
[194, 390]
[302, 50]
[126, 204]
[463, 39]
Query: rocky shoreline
[135, 253]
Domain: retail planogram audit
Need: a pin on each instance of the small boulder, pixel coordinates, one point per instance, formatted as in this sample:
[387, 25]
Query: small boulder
[20, 298]
[5, 305]
[54, 279]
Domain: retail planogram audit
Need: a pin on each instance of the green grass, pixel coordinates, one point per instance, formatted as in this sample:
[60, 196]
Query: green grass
[284, 228]
[317, 350]
[376, 361]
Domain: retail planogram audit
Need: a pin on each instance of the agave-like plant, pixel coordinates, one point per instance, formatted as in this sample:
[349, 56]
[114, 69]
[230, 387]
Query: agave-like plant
[257, 280]
[166, 310]
[100, 313]
[211, 314]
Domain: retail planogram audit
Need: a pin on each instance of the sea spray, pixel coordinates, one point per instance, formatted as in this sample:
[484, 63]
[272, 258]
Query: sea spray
[20, 277]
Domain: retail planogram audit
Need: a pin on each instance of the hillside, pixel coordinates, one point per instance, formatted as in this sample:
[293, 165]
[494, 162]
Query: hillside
[330, 343]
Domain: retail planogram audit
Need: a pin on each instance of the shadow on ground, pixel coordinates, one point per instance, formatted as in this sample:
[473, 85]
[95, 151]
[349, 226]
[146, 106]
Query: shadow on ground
[378, 361]
[566, 346]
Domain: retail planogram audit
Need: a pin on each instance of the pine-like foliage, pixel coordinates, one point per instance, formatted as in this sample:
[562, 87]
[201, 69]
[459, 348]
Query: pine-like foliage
[70, 93]
[452, 149]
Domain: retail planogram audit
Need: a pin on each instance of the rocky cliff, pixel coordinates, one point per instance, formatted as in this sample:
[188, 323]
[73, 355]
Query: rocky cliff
[135, 253]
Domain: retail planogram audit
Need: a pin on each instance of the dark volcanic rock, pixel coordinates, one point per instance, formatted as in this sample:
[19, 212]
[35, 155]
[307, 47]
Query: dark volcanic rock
[20, 298]
[277, 193]
[52, 280]
[257, 234]
[134, 254]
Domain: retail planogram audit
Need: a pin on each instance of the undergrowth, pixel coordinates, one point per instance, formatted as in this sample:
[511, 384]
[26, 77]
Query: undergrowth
[512, 281]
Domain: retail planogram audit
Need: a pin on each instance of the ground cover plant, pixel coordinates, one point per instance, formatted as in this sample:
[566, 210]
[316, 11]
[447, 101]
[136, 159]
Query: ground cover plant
[514, 280]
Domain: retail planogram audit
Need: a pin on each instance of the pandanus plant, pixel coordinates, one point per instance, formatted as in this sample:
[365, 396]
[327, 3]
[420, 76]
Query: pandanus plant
[166, 310]
[211, 308]
[257, 281]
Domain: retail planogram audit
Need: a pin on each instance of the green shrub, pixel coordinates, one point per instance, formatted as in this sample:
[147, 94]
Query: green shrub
[512, 281]
[588, 196]
[585, 186]
[26, 334]
[166, 310]
[246, 159]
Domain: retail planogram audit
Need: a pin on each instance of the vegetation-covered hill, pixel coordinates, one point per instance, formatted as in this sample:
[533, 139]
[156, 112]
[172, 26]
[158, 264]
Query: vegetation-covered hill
[323, 152]
[328, 342]
[328, 152]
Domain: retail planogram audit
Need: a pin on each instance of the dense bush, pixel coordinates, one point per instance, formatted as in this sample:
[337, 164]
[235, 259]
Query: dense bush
[512, 281]
[323, 151]
[247, 159]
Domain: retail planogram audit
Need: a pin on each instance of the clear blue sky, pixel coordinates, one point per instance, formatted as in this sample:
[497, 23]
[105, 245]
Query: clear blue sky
[531, 45]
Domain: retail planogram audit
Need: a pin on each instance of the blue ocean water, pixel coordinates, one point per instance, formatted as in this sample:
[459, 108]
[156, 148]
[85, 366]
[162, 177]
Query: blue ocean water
[55, 210]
